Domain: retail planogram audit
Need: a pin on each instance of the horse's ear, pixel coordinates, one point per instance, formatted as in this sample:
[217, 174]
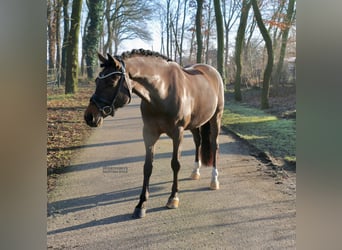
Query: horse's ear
[101, 57]
[113, 60]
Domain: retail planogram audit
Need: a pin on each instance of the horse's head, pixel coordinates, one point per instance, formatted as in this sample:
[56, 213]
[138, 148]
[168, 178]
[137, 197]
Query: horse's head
[113, 90]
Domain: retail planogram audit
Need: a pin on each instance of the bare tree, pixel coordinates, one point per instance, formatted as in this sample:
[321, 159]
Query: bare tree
[246, 5]
[185, 8]
[230, 8]
[92, 37]
[220, 37]
[126, 20]
[269, 66]
[168, 36]
[72, 53]
[208, 29]
[58, 39]
[199, 30]
[52, 24]
[84, 34]
[66, 22]
[285, 33]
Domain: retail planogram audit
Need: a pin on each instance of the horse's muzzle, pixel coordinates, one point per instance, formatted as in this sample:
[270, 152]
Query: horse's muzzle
[93, 121]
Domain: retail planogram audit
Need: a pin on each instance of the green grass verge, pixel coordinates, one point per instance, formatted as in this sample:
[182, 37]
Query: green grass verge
[264, 131]
[59, 97]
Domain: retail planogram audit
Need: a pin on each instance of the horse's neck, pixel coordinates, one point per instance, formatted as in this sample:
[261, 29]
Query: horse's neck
[147, 78]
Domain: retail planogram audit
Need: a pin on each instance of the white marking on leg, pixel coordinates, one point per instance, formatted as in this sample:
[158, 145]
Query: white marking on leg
[195, 175]
[197, 166]
[214, 175]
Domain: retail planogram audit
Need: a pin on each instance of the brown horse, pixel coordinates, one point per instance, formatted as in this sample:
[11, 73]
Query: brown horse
[173, 99]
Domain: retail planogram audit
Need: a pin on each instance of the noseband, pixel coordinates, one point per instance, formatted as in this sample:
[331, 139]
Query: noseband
[107, 107]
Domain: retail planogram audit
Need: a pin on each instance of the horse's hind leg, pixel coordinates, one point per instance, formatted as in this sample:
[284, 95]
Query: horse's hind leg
[195, 175]
[215, 124]
[150, 139]
[177, 137]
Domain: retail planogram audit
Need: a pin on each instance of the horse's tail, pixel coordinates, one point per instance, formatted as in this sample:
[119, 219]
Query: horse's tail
[206, 149]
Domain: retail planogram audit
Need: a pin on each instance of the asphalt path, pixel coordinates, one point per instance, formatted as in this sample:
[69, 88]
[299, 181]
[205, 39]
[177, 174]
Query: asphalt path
[92, 203]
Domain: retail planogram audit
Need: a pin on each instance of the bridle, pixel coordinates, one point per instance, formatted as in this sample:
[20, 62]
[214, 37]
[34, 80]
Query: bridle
[107, 107]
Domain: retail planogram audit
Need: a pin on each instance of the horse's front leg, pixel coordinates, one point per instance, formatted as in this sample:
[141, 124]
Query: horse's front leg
[150, 139]
[177, 137]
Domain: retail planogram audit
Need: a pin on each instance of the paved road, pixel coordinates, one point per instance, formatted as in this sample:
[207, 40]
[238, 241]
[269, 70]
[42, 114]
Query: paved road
[91, 206]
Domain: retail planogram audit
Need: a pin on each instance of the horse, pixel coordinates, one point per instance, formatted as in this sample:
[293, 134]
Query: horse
[173, 99]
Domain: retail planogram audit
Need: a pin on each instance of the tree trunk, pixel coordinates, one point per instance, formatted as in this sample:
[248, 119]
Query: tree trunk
[269, 66]
[191, 45]
[51, 18]
[207, 33]
[58, 39]
[246, 5]
[182, 33]
[65, 39]
[93, 36]
[84, 44]
[199, 31]
[229, 21]
[72, 53]
[220, 38]
[284, 38]
[168, 28]
[107, 48]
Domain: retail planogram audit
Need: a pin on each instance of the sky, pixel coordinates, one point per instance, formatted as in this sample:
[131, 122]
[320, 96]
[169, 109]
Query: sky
[155, 44]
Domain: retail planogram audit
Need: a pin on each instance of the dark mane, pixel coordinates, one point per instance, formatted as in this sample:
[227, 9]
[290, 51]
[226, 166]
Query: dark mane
[143, 52]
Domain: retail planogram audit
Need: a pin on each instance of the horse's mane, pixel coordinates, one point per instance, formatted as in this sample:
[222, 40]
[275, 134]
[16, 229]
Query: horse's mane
[143, 52]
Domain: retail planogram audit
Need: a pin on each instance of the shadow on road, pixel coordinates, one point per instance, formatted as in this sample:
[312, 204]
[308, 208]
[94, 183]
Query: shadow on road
[105, 221]
[127, 160]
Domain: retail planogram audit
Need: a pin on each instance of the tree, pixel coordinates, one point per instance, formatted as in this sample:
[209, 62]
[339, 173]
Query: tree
[126, 20]
[66, 25]
[230, 8]
[198, 30]
[58, 39]
[284, 39]
[93, 35]
[72, 52]
[246, 5]
[269, 66]
[108, 48]
[52, 25]
[220, 37]
[182, 33]
[168, 50]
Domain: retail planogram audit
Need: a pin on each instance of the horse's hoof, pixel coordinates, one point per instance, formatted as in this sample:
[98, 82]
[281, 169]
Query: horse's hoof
[172, 202]
[195, 176]
[139, 213]
[214, 185]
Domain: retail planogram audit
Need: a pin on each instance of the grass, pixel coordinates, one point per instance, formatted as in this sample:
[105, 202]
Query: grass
[266, 132]
[59, 96]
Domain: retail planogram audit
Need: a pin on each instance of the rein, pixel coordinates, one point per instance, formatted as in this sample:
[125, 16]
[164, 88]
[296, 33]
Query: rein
[108, 108]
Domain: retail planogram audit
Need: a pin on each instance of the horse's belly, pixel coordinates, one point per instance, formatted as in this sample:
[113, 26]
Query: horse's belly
[199, 118]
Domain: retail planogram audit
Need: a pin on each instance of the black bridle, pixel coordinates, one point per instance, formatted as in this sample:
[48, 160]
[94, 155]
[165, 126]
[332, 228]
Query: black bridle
[107, 107]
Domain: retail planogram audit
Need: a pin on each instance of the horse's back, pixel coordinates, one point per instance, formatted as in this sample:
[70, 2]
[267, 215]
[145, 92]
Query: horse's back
[212, 77]
[205, 70]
